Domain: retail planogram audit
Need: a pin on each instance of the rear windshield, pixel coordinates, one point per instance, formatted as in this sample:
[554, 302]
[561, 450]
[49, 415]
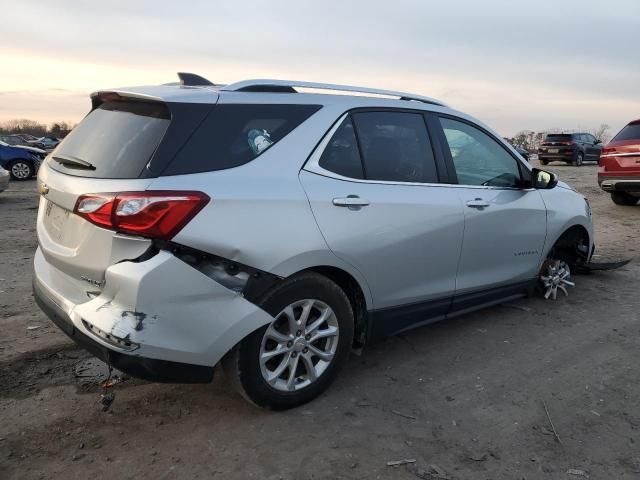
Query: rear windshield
[630, 132]
[558, 137]
[235, 134]
[116, 140]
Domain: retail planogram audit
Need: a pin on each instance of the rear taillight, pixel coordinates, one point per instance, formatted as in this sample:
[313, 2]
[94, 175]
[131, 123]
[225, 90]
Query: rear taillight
[153, 214]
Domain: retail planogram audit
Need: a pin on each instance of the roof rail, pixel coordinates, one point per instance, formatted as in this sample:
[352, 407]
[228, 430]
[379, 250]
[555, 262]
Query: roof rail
[265, 85]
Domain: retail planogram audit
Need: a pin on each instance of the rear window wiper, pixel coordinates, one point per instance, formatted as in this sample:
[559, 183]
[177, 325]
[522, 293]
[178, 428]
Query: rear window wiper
[73, 162]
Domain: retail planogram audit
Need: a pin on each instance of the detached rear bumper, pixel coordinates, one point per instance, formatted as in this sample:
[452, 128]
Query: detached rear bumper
[146, 368]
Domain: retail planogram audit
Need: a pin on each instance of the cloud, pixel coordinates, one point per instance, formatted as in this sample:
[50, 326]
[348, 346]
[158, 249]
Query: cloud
[513, 64]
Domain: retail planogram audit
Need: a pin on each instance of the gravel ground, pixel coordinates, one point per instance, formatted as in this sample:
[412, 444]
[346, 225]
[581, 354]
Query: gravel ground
[464, 398]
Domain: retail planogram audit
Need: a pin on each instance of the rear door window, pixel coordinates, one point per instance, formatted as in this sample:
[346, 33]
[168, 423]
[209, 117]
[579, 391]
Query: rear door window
[234, 134]
[342, 155]
[116, 140]
[395, 146]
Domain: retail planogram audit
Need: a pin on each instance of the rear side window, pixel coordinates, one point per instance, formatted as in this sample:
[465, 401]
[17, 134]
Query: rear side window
[234, 134]
[630, 132]
[395, 146]
[116, 140]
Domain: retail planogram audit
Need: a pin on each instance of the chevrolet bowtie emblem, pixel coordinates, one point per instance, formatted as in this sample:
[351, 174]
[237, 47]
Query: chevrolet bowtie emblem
[43, 189]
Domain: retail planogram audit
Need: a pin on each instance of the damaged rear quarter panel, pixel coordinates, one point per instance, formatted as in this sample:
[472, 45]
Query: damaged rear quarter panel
[173, 311]
[259, 214]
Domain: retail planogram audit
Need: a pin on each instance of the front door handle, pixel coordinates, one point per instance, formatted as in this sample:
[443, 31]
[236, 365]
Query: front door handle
[350, 201]
[477, 203]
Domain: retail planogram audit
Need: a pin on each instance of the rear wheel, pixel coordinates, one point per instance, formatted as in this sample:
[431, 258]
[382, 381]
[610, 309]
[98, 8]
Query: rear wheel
[296, 357]
[623, 198]
[579, 159]
[544, 162]
[21, 170]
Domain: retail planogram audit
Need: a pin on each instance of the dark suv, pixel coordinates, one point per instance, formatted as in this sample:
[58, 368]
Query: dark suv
[573, 148]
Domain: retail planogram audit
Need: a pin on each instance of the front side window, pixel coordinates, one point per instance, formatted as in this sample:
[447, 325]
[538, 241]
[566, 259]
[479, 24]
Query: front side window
[478, 159]
[395, 146]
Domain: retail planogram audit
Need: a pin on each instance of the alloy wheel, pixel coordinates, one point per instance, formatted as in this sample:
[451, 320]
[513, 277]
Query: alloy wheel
[299, 345]
[21, 170]
[556, 277]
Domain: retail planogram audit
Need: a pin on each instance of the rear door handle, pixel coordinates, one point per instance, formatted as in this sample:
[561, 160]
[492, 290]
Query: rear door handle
[350, 201]
[478, 203]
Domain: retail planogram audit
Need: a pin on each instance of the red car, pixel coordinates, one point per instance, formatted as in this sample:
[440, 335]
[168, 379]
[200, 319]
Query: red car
[619, 166]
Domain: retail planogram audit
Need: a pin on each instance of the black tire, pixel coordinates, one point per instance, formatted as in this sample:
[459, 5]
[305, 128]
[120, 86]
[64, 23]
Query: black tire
[544, 162]
[21, 170]
[242, 365]
[579, 159]
[623, 198]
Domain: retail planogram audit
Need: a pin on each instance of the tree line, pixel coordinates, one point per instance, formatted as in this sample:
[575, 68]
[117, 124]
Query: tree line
[37, 129]
[530, 140]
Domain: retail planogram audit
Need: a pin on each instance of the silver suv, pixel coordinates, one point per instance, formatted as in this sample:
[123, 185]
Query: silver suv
[271, 227]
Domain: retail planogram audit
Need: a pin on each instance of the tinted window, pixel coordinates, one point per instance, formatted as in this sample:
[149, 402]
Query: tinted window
[630, 132]
[235, 134]
[341, 155]
[558, 137]
[479, 159]
[118, 139]
[395, 146]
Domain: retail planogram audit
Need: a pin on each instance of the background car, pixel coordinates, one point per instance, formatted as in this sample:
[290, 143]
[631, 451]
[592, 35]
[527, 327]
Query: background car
[574, 148]
[619, 166]
[13, 140]
[46, 143]
[21, 162]
[4, 179]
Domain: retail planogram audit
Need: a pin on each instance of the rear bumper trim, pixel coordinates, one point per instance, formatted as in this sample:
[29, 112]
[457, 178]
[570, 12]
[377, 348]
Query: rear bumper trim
[620, 184]
[150, 369]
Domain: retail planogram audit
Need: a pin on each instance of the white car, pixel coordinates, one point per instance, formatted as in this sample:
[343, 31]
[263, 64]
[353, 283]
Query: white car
[182, 226]
[4, 179]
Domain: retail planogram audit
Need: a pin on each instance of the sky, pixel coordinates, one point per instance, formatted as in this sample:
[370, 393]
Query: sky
[513, 64]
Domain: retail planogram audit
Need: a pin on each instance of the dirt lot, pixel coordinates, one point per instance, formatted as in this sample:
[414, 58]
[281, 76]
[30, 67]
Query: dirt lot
[463, 397]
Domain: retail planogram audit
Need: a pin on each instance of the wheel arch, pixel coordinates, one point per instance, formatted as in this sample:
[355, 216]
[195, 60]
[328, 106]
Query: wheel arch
[355, 294]
[566, 246]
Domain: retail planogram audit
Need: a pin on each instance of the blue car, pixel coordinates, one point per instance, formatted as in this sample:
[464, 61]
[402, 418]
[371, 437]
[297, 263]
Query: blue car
[21, 162]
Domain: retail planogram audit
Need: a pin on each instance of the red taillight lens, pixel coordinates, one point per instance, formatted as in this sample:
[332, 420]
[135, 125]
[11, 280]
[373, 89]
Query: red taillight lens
[96, 208]
[153, 214]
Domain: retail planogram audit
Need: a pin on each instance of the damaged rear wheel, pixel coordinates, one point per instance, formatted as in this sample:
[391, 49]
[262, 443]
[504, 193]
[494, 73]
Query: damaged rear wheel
[292, 360]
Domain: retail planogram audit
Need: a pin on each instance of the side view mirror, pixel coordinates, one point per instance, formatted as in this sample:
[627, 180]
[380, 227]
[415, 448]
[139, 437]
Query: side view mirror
[597, 142]
[543, 180]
